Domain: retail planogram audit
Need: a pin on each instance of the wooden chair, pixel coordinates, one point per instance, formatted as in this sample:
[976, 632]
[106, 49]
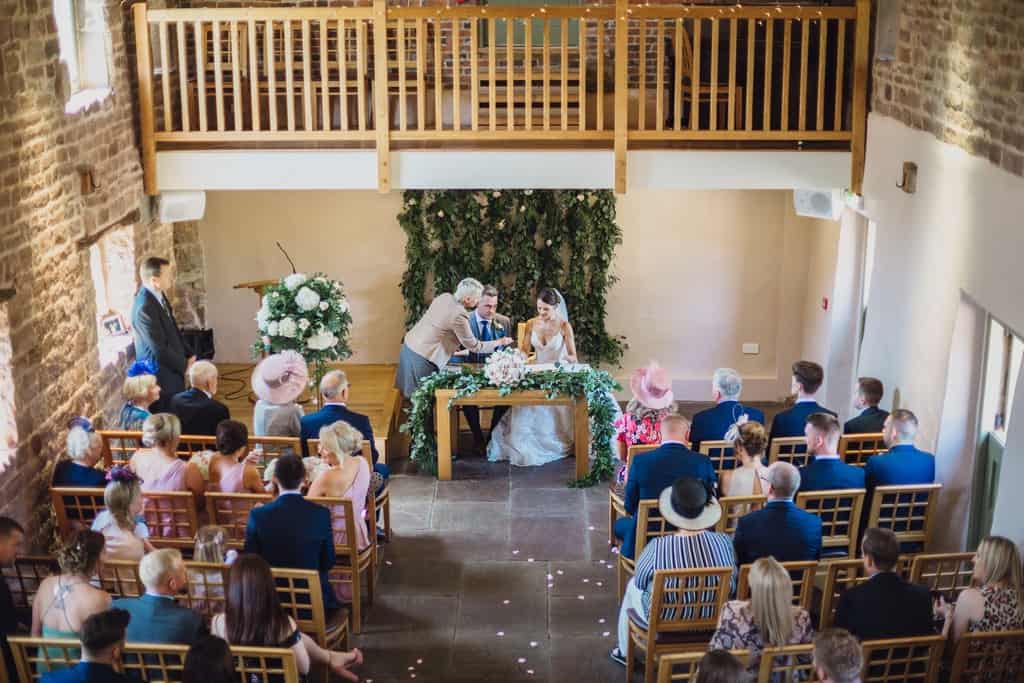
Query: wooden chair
[903, 660]
[721, 455]
[121, 578]
[993, 657]
[685, 604]
[351, 563]
[276, 446]
[75, 507]
[24, 576]
[207, 588]
[231, 512]
[383, 499]
[616, 504]
[301, 595]
[520, 335]
[193, 444]
[840, 513]
[841, 575]
[734, 507]
[791, 449]
[790, 663]
[855, 449]
[118, 446]
[947, 573]
[683, 667]
[172, 518]
[801, 574]
[905, 510]
[649, 524]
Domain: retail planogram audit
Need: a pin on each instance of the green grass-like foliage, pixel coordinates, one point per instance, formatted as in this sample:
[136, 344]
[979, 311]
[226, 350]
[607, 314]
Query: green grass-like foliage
[595, 385]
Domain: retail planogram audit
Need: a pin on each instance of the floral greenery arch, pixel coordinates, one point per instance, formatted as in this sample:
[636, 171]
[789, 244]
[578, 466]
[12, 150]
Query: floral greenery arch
[452, 234]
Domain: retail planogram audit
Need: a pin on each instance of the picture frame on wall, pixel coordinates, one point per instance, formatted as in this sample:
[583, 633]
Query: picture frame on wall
[114, 324]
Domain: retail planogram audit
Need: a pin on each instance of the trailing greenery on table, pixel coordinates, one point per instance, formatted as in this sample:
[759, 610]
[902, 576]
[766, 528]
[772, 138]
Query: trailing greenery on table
[595, 385]
[520, 241]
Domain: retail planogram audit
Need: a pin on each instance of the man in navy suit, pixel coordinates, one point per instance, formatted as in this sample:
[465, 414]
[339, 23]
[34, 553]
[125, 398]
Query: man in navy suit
[156, 333]
[713, 423]
[103, 637]
[652, 472]
[807, 379]
[827, 472]
[903, 464]
[872, 418]
[198, 410]
[781, 529]
[156, 616]
[334, 390]
[291, 531]
[12, 619]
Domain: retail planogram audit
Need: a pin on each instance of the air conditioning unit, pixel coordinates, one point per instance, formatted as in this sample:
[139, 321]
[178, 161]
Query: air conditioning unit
[818, 203]
[181, 206]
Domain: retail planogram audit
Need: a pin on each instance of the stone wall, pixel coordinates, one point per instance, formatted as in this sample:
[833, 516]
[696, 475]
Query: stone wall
[958, 75]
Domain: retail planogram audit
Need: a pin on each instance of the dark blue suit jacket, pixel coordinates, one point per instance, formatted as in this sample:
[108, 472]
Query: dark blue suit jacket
[506, 331]
[781, 530]
[70, 473]
[830, 474]
[295, 533]
[870, 421]
[328, 415]
[791, 422]
[885, 606]
[713, 423]
[160, 620]
[87, 672]
[900, 465]
[157, 338]
[199, 414]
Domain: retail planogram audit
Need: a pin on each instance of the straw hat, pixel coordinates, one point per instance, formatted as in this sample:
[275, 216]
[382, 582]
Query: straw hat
[689, 504]
[279, 379]
[652, 387]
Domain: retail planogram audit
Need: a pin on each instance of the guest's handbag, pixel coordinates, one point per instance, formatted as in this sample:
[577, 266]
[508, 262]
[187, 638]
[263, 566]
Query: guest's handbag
[199, 343]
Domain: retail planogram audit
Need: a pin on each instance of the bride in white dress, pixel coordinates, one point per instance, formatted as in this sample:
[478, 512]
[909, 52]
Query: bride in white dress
[536, 435]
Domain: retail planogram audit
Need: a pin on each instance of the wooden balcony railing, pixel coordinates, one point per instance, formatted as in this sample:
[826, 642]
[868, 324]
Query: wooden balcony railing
[604, 75]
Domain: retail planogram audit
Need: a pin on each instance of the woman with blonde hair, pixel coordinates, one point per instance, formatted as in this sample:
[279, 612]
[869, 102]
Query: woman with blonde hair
[768, 619]
[84, 450]
[348, 476]
[140, 391]
[161, 469]
[995, 602]
[124, 531]
[749, 447]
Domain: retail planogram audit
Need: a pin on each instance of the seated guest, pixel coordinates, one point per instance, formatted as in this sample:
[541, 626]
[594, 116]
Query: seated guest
[827, 471]
[212, 548]
[781, 529]
[63, 602]
[884, 606]
[348, 477]
[102, 642]
[653, 472]
[768, 619]
[253, 616]
[291, 531]
[209, 660]
[807, 379]
[156, 616]
[278, 381]
[230, 471]
[995, 602]
[690, 506]
[721, 666]
[160, 468]
[334, 389]
[126, 536]
[198, 410]
[714, 423]
[872, 418]
[140, 391]
[84, 449]
[652, 402]
[748, 447]
[902, 464]
[12, 619]
[838, 657]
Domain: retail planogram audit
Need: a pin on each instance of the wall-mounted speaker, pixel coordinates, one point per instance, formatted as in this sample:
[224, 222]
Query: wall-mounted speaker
[818, 203]
[181, 206]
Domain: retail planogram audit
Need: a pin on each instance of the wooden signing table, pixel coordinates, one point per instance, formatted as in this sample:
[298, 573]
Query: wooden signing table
[490, 397]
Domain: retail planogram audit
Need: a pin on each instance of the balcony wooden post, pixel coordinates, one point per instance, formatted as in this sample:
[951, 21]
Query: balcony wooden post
[380, 94]
[147, 123]
[621, 62]
[860, 94]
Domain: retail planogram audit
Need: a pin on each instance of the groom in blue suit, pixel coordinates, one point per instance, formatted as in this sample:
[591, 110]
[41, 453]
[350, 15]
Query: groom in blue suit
[807, 379]
[713, 423]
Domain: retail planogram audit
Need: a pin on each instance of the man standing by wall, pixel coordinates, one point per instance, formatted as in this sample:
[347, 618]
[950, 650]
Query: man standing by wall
[156, 333]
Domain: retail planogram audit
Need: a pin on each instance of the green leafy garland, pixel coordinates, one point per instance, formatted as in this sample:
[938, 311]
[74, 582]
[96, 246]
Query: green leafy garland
[595, 385]
[520, 241]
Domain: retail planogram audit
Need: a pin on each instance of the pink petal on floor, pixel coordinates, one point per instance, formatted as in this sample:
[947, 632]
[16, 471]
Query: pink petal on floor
[590, 528]
[419, 661]
[500, 634]
[559, 572]
[505, 602]
[521, 660]
[412, 668]
[515, 552]
[550, 577]
[388, 562]
[586, 580]
[533, 643]
[581, 597]
[529, 559]
[599, 583]
[606, 634]
[601, 620]
[529, 671]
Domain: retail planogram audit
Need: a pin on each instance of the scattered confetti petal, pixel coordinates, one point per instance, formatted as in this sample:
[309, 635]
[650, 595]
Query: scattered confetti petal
[615, 551]
[529, 671]
[533, 643]
[559, 572]
[515, 552]
[505, 602]
[388, 562]
[550, 577]
[600, 583]
[606, 634]
[500, 634]
[412, 668]
[521, 660]
[590, 528]
[529, 559]
[419, 661]
[586, 580]
[601, 620]
[581, 597]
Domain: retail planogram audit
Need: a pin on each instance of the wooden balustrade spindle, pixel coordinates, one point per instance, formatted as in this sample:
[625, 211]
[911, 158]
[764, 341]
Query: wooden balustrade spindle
[400, 56]
[254, 80]
[456, 76]
[822, 44]
[474, 75]
[325, 77]
[289, 74]
[659, 78]
[733, 24]
[787, 49]
[840, 65]
[547, 73]
[769, 36]
[307, 77]
[805, 37]
[492, 93]
[510, 82]
[361, 69]
[183, 77]
[343, 73]
[200, 41]
[677, 79]
[583, 75]
[218, 75]
[438, 78]
[695, 76]
[421, 75]
[165, 76]
[642, 85]
[563, 34]
[713, 117]
[528, 74]
[748, 110]
[236, 76]
[270, 63]
[599, 57]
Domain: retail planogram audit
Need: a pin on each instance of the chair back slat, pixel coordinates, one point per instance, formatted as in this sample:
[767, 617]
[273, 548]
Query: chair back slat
[207, 588]
[154, 662]
[171, 517]
[855, 449]
[118, 445]
[34, 657]
[637, 449]
[790, 663]
[947, 573]
[121, 578]
[734, 507]
[342, 518]
[313, 446]
[905, 510]
[649, 525]
[801, 574]
[791, 449]
[721, 454]
[231, 512]
[991, 656]
[683, 667]
[194, 444]
[903, 660]
[24, 576]
[301, 596]
[688, 599]
[840, 513]
[75, 507]
[841, 575]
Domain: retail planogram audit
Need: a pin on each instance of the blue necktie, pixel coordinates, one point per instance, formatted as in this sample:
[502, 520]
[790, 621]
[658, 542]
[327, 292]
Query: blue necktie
[485, 331]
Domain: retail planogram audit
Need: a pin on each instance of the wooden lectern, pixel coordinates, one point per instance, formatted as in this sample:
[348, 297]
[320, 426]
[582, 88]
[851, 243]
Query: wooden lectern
[256, 286]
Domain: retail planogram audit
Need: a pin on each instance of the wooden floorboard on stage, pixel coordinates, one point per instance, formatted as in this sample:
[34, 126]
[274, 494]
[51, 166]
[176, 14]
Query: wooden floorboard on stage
[372, 392]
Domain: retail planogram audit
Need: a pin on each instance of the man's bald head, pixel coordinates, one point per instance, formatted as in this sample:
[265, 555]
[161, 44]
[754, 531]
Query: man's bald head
[783, 481]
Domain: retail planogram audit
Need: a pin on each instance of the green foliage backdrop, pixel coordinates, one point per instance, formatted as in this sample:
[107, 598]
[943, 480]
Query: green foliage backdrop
[520, 241]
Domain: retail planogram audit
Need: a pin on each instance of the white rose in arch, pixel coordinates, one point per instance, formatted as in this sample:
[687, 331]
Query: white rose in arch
[262, 317]
[495, 194]
[522, 208]
[548, 243]
[343, 305]
[288, 328]
[306, 299]
[528, 192]
[294, 281]
[303, 324]
[273, 328]
[321, 341]
[324, 305]
[440, 214]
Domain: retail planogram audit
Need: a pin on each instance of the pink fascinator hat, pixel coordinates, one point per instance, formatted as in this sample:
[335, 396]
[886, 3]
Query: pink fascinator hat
[652, 387]
[280, 378]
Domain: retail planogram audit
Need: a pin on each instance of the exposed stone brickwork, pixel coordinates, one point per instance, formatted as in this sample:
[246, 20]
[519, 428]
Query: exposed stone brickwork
[958, 74]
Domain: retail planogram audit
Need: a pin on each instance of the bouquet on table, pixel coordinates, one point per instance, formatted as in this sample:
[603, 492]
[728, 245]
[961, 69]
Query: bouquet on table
[505, 369]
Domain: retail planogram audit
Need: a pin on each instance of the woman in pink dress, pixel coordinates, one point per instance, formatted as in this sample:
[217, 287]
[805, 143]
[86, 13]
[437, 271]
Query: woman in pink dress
[348, 477]
[230, 471]
[161, 470]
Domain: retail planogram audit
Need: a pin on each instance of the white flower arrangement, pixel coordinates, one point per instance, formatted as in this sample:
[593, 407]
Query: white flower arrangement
[305, 313]
[505, 368]
[306, 299]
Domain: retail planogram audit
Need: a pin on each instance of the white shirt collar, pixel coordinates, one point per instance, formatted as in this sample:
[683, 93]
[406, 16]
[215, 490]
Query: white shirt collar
[665, 441]
[289, 493]
[826, 457]
[806, 400]
[481, 320]
[160, 595]
[334, 403]
[156, 293]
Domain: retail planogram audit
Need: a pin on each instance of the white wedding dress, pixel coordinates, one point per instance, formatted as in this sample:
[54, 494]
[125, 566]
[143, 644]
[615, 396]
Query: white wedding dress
[535, 435]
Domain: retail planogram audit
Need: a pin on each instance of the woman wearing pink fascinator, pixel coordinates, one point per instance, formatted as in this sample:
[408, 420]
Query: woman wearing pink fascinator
[278, 381]
[641, 422]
